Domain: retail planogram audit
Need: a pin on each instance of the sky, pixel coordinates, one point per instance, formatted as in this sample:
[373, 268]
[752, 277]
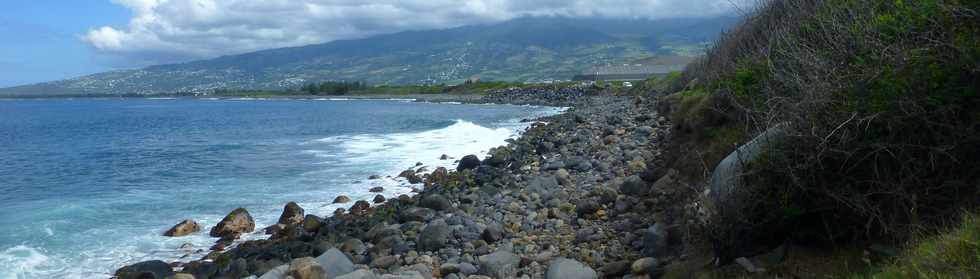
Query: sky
[43, 40]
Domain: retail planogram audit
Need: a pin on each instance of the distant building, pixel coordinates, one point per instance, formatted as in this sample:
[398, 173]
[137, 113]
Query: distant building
[626, 72]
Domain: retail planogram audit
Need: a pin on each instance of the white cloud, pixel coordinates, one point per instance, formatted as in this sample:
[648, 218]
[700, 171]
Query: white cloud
[175, 30]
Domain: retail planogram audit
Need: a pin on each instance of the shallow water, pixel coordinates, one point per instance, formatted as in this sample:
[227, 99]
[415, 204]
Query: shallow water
[88, 185]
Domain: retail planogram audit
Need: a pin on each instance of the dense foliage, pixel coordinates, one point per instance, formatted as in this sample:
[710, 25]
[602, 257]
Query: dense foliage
[880, 99]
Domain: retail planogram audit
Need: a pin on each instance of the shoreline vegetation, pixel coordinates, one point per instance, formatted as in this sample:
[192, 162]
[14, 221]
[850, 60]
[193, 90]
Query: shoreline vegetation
[817, 139]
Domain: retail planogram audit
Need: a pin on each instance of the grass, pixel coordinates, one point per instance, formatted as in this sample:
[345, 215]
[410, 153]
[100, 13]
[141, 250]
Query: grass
[955, 254]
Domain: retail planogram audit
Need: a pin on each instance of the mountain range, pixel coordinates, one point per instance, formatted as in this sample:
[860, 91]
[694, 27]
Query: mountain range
[524, 49]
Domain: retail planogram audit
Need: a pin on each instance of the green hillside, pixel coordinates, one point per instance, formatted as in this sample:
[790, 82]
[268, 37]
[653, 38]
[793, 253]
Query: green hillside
[527, 49]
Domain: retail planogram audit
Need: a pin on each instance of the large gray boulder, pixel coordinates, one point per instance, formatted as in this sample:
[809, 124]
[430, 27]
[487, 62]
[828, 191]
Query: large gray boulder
[726, 177]
[335, 263]
[434, 236]
[500, 264]
[562, 268]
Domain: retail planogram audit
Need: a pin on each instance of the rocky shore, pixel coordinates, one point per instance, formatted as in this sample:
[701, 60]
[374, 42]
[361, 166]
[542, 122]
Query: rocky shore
[579, 195]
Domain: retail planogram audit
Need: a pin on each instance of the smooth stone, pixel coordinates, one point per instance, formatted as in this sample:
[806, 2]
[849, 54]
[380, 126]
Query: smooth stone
[335, 263]
[379, 199]
[500, 264]
[377, 189]
[563, 268]
[615, 269]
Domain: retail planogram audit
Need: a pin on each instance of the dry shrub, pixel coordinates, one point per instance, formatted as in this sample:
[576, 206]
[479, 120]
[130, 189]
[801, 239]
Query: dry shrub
[882, 101]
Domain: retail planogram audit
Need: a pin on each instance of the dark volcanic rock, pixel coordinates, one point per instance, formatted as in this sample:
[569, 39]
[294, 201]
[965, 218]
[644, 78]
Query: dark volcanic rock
[379, 199]
[235, 223]
[634, 186]
[148, 269]
[436, 201]
[434, 236]
[291, 214]
[183, 228]
[468, 162]
[492, 233]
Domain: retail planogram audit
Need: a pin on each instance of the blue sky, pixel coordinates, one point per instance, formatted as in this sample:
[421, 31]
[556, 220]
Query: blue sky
[41, 40]
[45, 40]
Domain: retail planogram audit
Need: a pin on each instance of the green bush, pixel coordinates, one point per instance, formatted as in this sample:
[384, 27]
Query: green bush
[882, 103]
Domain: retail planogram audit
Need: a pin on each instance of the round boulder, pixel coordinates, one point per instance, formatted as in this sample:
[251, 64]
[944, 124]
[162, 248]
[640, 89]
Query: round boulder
[468, 162]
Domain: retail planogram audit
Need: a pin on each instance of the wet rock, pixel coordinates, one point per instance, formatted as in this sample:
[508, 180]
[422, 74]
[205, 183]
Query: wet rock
[436, 202]
[434, 236]
[292, 214]
[411, 176]
[500, 264]
[335, 263]
[359, 208]
[377, 189]
[341, 199]
[562, 268]
[468, 162]
[148, 269]
[306, 268]
[183, 228]
[444, 157]
[379, 199]
[235, 223]
[312, 223]
[374, 177]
